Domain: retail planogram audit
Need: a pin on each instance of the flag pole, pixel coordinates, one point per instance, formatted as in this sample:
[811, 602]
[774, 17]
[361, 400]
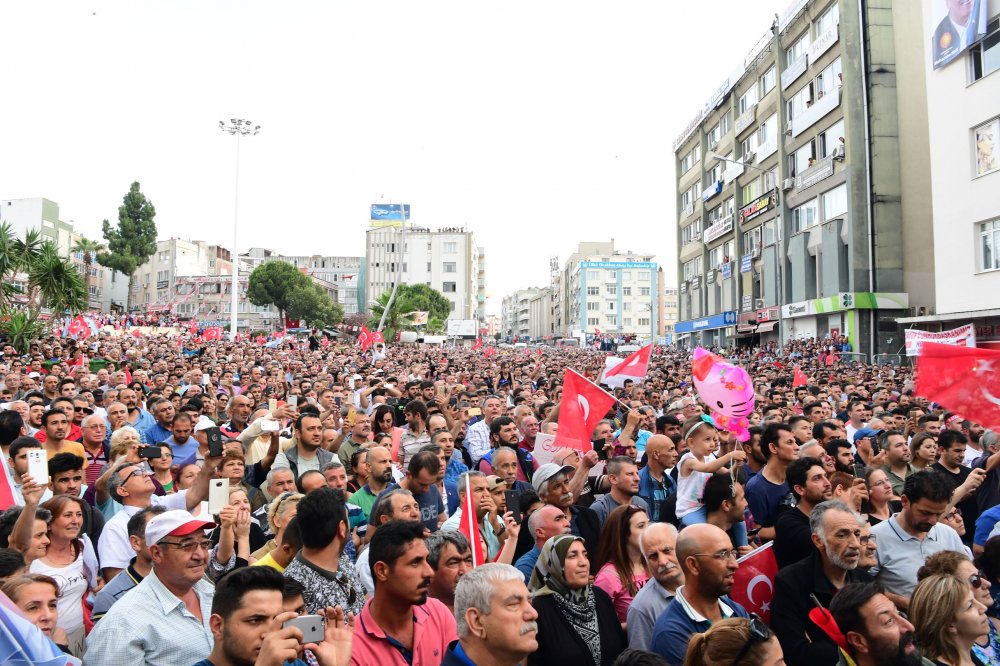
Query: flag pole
[468, 505]
[598, 387]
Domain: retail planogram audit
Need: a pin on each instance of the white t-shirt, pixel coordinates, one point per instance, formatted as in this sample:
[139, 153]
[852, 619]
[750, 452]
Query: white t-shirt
[114, 549]
[72, 586]
[690, 487]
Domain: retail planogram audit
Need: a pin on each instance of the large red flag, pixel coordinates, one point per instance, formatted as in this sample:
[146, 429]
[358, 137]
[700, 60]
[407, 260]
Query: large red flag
[364, 338]
[213, 333]
[635, 364]
[478, 344]
[376, 337]
[753, 583]
[799, 378]
[469, 528]
[78, 327]
[582, 407]
[962, 379]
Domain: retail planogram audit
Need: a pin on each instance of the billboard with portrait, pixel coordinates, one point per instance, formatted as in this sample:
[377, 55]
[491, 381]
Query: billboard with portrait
[958, 24]
[987, 140]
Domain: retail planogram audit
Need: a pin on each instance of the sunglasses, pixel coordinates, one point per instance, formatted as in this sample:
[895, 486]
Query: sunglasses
[759, 632]
[976, 580]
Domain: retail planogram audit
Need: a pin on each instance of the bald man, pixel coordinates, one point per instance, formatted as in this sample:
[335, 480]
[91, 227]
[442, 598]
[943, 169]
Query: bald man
[545, 523]
[708, 560]
[655, 483]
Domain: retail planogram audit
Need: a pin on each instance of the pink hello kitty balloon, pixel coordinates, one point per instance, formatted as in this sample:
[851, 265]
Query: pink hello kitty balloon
[726, 389]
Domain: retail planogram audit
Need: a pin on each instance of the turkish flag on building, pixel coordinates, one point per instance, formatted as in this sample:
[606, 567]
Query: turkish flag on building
[962, 379]
[478, 344]
[635, 364]
[582, 407]
[799, 379]
[753, 583]
[469, 528]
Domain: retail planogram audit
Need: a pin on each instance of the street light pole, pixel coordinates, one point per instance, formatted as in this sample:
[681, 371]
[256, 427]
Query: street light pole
[239, 128]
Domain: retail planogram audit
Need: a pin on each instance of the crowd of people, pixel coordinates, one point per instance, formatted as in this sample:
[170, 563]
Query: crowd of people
[225, 502]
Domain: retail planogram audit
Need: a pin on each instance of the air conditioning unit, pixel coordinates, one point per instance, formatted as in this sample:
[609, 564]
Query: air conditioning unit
[758, 304]
[838, 154]
[787, 184]
[749, 158]
[788, 128]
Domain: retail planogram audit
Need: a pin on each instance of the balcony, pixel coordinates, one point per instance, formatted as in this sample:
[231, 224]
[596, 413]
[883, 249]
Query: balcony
[746, 119]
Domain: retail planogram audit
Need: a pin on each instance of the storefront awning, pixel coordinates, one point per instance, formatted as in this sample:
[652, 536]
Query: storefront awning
[766, 326]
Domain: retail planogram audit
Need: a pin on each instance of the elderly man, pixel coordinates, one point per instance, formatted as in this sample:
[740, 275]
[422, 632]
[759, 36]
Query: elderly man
[160, 431]
[837, 547]
[658, 545]
[94, 428]
[496, 621]
[708, 561]
[477, 438]
[450, 557]
[478, 484]
[165, 618]
[507, 467]
[358, 439]
[238, 410]
[552, 483]
[545, 523]
[654, 482]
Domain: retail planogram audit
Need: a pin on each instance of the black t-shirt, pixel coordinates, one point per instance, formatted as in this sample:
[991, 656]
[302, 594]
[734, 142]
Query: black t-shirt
[968, 506]
[792, 538]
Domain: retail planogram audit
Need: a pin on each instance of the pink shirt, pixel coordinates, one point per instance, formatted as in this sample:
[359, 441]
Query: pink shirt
[607, 579]
[433, 629]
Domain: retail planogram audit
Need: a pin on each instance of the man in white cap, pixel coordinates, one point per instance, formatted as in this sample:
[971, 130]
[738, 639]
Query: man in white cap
[165, 618]
[552, 483]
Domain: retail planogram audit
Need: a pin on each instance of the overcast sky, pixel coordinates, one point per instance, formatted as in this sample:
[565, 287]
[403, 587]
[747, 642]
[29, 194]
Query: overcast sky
[536, 124]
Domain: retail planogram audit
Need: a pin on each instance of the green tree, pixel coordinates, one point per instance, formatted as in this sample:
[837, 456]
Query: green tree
[35, 278]
[89, 249]
[419, 298]
[134, 239]
[293, 293]
[394, 321]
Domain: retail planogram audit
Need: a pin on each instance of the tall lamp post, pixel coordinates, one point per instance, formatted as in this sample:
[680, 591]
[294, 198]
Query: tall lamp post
[780, 240]
[239, 128]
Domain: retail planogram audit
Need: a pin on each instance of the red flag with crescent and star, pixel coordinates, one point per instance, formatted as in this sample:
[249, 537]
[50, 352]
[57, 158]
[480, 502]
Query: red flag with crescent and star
[364, 338]
[478, 343]
[582, 407]
[469, 526]
[799, 378]
[965, 380]
[753, 582]
[635, 364]
[376, 337]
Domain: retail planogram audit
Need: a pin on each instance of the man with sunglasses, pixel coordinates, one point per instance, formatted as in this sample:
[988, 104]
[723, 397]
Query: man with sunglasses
[836, 533]
[708, 560]
[165, 618]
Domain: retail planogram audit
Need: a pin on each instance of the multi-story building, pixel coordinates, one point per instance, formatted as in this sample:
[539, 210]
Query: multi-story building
[517, 319]
[540, 314]
[667, 309]
[346, 273]
[963, 109]
[796, 216]
[155, 284]
[108, 289]
[609, 291]
[446, 259]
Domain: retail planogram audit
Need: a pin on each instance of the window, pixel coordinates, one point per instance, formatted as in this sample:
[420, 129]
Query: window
[803, 158]
[751, 240]
[769, 130]
[984, 57]
[450, 267]
[835, 202]
[626, 291]
[643, 321]
[751, 191]
[714, 215]
[593, 306]
[626, 276]
[830, 138]
[593, 321]
[728, 207]
[612, 275]
[626, 306]
[800, 101]
[798, 49]
[805, 216]
[748, 145]
[767, 81]
[613, 320]
[989, 234]
[725, 124]
[593, 291]
[643, 276]
[627, 321]
[449, 287]
[829, 79]
[690, 159]
[712, 137]
[691, 269]
[830, 18]
[691, 232]
[610, 305]
[593, 275]
[428, 267]
[715, 257]
[770, 233]
[644, 291]
[747, 101]
[987, 140]
[450, 247]
[611, 290]
[713, 175]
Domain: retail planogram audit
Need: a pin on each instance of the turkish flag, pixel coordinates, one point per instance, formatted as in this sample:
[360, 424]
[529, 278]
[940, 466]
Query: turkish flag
[260, 339]
[213, 333]
[467, 526]
[128, 375]
[325, 342]
[962, 379]
[582, 407]
[799, 379]
[77, 327]
[635, 364]
[136, 333]
[753, 583]
[479, 344]
[364, 338]
[193, 329]
[376, 337]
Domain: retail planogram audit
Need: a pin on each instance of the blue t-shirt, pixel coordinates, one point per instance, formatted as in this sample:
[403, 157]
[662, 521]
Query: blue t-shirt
[763, 498]
[984, 525]
[674, 628]
[430, 503]
[184, 454]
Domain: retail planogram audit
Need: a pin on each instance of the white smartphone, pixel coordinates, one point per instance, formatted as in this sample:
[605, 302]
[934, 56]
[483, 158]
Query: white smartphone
[38, 466]
[293, 401]
[218, 495]
[269, 425]
[272, 405]
[311, 627]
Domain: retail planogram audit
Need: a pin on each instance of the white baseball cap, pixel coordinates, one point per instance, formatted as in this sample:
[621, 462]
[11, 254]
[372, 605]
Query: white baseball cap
[204, 423]
[173, 523]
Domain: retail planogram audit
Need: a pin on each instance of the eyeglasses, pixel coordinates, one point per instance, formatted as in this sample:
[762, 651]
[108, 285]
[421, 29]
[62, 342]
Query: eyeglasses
[867, 540]
[138, 470]
[976, 580]
[722, 555]
[187, 546]
[956, 512]
[759, 632]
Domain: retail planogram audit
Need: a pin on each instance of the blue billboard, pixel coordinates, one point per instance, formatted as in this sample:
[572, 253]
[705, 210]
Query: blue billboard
[707, 323]
[381, 212]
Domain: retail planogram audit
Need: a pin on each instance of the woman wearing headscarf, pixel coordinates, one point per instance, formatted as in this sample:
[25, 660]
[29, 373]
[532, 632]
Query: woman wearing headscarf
[577, 624]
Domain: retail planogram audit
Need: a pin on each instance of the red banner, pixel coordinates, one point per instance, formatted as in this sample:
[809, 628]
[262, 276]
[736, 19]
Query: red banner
[582, 407]
[962, 379]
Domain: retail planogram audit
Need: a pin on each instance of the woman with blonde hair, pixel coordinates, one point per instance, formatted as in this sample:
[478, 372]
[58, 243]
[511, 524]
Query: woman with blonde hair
[948, 620]
[279, 513]
[735, 642]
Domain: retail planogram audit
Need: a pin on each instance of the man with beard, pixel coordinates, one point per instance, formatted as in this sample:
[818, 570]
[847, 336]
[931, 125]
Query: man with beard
[450, 557]
[401, 621]
[657, 543]
[877, 633]
[708, 561]
[504, 436]
[246, 623]
[836, 541]
[137, 417]
[809, 483]
[380, 463]
[840, 451]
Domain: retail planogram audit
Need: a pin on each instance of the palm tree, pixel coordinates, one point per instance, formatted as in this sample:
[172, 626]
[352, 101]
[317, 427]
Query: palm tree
[393, 320]
[89, 249]
[49, 282]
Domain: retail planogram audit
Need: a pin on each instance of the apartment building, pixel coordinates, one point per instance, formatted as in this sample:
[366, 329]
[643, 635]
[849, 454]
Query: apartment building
[347, 274]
